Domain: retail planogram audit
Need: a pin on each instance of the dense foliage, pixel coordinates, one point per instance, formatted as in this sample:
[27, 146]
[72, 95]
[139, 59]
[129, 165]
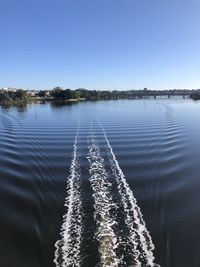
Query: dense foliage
[12, 97]
[58, 93]
[66, 94]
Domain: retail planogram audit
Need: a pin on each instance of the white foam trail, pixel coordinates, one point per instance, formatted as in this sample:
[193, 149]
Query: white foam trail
[67, 252]
[139, 237]
[103, 204]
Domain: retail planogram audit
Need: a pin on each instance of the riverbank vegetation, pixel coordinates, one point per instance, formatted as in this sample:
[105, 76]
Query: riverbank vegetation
[67, 95]
[9, 98]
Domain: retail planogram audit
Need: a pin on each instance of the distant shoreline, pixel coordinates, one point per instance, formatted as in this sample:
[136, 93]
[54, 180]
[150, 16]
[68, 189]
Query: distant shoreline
[20, 97]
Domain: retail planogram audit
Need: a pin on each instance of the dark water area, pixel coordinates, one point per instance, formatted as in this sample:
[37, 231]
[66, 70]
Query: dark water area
[157, 147]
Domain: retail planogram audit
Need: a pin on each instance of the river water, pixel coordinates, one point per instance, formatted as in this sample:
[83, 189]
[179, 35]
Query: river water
[108, 183]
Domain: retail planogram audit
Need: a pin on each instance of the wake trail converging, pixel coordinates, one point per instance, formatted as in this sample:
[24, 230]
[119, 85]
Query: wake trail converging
[103, 205]
[139, 238]
[67, 252]
[132, 246]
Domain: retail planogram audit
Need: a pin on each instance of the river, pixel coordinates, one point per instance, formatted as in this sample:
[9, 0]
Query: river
[108, 183]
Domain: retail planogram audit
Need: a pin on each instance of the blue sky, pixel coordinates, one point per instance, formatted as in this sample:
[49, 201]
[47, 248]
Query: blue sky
[100, 44]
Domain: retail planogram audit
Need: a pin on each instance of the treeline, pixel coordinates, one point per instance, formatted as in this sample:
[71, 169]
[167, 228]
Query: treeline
[12, 97]
[7, 97]
[67, 94]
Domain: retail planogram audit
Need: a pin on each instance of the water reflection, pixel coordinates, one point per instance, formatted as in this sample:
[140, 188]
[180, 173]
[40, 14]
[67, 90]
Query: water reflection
[60, 103]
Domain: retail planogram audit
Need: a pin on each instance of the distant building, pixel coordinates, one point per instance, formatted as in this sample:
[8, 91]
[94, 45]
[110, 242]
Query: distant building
[47, 93]
[32, 93]
[10, 89]
[145, 89]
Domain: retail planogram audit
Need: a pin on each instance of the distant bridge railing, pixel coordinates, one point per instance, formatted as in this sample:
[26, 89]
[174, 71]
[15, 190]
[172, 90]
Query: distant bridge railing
[153, 93]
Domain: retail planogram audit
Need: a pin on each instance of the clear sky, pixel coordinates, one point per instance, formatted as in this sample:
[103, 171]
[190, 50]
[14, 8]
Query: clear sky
[100, 44]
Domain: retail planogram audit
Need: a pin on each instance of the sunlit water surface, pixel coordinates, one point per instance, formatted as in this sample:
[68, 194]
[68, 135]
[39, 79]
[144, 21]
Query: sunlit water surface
[111, 183]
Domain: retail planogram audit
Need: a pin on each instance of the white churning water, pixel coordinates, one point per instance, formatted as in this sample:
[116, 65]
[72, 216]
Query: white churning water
[68, 247]
[139, 237]
[109, 239]
[103, 204]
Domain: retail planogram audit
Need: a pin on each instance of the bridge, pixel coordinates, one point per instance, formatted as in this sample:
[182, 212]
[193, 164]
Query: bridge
[158, 93]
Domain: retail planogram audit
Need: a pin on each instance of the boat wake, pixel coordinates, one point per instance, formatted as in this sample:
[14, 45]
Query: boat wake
[138, 238]
[103, 205]
[116, 247]
[68, 247]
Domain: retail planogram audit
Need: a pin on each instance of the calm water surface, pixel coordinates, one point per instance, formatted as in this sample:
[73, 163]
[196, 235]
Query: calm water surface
[98, 158]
